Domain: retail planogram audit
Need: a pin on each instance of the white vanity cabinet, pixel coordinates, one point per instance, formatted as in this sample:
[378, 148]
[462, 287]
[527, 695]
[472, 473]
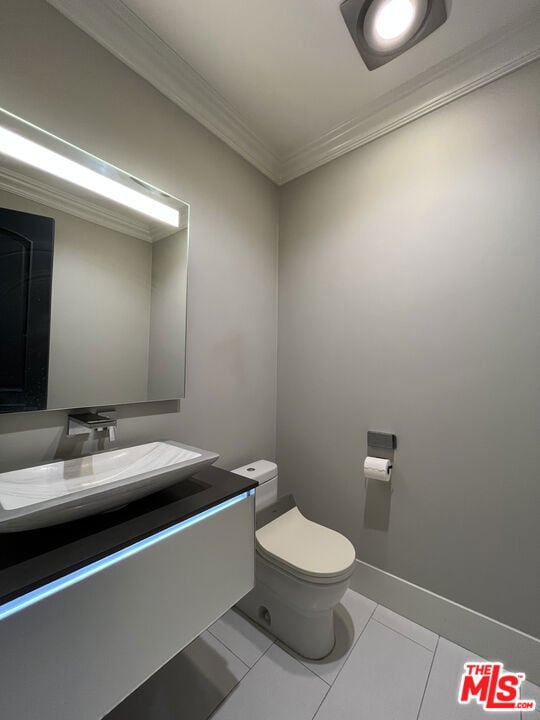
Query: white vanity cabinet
[78, 653]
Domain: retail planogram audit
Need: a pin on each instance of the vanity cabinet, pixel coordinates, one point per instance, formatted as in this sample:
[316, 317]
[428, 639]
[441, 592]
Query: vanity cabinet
[81, 651]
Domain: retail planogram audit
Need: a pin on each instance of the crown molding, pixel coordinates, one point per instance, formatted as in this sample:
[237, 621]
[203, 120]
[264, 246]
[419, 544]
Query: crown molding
[32, 189]
[496, 55]
[121, 32]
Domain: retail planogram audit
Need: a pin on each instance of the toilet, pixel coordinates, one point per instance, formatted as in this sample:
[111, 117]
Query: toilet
[302, 569]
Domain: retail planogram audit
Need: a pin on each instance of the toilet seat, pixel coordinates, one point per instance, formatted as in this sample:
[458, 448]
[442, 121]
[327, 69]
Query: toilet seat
[306, 549]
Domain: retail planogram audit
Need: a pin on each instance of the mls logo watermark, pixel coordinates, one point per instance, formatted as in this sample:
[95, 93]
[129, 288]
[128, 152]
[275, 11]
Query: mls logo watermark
[493, 687]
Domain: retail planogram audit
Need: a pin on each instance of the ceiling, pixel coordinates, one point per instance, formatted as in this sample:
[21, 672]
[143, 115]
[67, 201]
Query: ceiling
[281, 81]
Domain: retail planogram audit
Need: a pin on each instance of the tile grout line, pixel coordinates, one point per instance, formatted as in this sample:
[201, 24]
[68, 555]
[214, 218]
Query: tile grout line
[346, 660]
[427, 679]
[323, 699]
[347, 655]
[407, 637]
[220, 641]
[280, 646]
[214, 711]
[251, 623]
[298, 658]
[355, 643]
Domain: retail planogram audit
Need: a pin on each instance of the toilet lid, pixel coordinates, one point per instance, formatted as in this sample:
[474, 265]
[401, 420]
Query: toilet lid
[299, 544]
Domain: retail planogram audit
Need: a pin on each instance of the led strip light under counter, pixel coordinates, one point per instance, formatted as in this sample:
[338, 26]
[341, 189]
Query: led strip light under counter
[51, 588]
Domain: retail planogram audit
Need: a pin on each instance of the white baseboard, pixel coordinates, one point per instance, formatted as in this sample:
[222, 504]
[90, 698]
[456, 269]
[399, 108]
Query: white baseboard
[481, 635]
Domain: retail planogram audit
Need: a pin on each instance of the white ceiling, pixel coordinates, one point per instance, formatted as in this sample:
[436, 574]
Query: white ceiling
[281, 80]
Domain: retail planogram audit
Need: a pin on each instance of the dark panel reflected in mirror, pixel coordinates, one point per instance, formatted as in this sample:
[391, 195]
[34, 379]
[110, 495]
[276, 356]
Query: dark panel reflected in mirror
[101, 320]
[26, 262]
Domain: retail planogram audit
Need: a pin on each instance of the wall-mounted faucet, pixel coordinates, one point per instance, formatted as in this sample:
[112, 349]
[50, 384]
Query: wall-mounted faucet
[84, 423]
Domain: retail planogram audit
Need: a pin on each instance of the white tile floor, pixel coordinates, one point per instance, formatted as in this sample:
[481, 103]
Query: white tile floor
[384, 667]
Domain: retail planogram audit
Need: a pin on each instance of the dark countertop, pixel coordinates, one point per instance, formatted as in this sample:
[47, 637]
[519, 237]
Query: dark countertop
[33, 558]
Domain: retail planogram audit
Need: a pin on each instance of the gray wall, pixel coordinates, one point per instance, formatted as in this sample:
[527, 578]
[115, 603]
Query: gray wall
[167, 316]
[60, 79]
[409, 302]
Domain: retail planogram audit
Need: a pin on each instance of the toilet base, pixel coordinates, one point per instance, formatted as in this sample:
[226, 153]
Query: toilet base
[310, 637]
[299, 613]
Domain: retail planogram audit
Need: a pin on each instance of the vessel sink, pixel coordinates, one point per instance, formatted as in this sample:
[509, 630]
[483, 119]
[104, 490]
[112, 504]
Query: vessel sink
[61, 491]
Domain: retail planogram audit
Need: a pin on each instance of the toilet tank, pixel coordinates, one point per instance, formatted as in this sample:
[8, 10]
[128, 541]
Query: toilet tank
[265, 473]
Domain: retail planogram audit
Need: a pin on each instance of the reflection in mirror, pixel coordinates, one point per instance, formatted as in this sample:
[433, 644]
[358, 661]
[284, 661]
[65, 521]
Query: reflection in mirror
[93, 274]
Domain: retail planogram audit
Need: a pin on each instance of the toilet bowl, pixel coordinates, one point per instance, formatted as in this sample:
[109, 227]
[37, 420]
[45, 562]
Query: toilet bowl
[302, 571]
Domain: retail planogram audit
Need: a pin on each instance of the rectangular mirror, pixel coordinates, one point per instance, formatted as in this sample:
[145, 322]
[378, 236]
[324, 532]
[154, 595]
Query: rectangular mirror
[93, 275]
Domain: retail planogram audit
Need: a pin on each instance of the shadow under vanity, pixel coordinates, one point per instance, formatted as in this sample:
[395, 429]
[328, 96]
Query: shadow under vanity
[93, 277]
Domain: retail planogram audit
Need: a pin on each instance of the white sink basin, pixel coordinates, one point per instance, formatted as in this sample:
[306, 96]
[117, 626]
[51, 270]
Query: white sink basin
[57, 492]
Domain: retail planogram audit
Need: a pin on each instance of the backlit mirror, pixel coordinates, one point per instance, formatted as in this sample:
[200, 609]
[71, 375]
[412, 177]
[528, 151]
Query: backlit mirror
[93, 273]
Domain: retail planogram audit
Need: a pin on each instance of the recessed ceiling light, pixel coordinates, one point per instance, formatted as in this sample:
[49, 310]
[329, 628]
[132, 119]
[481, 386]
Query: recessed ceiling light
[383, 29]
[390, 23]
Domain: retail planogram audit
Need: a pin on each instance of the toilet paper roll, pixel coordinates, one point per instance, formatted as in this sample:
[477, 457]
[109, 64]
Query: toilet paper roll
[377, 469]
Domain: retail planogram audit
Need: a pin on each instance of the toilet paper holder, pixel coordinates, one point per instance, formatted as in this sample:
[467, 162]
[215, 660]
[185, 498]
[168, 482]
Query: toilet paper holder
[380, 445]
[385, 441]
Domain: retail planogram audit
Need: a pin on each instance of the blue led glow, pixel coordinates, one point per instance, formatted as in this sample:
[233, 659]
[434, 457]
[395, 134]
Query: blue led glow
[45, 591]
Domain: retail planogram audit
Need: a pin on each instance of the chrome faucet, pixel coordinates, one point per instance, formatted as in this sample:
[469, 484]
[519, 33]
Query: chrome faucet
[84, 423]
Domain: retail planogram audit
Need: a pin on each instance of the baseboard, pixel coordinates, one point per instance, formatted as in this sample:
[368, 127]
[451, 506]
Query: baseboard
[481, 635]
